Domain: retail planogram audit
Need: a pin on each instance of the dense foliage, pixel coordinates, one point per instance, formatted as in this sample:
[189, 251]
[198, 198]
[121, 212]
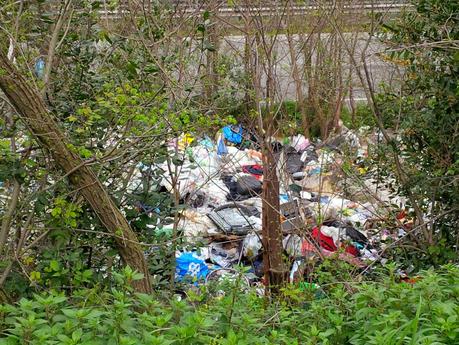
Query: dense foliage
[108, 92]
[385, 311]
[424, 113]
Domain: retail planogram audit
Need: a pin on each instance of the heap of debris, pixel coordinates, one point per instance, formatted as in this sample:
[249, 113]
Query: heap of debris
[220, 181]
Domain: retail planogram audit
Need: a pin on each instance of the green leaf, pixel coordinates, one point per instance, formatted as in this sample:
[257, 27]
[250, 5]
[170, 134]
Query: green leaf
[76, 335]
[137, 276]
[54, 265]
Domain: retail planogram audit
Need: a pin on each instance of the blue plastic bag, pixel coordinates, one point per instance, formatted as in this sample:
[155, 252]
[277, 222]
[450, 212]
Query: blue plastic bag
[189, 265]
[39, 68]
[315, 171]
[221, 148]
[283, 198]
[233, 134]
[207, 143]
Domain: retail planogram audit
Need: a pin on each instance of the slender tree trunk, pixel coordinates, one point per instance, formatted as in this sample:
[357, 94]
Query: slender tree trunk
[212, 58]
[8, 215]
[249, 74]
[297, 77]
[52, 45]
[339, 83]
[31, 109]
[274, 270]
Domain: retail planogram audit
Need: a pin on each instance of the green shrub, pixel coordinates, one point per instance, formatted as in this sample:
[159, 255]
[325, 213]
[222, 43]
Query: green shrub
[362, 117]
[424, 109]
[381, 312]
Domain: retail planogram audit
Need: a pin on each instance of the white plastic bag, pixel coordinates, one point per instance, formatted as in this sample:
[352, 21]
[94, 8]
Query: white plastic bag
[251, 245]
[300, 143]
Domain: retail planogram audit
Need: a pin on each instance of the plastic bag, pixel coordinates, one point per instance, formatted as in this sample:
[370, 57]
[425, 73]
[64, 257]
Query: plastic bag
[39, 68]
[195, 225]
[221, 147]
[233, 134]
[189, 264]
[248, 185]
[251, 245]
[292, 245]
[300, 143]
[184, 141]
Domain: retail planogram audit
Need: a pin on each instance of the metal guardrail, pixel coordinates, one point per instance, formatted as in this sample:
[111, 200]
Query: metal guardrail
[223, 7]
[226, 8]
[270, 8]
[257, 3]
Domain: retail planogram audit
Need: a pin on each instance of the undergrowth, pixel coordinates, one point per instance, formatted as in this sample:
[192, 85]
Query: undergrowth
[386, 311]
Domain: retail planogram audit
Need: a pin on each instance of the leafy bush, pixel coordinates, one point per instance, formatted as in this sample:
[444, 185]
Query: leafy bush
[382, 312]
[361, 117]
[424, 109]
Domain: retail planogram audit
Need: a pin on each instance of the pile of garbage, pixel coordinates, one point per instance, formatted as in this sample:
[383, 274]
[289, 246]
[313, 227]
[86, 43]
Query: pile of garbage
[221, 181]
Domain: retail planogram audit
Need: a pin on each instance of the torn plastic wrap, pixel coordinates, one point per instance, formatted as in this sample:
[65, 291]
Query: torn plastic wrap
[233, 134]
[39, 68]
[300, 142]
[195, 225]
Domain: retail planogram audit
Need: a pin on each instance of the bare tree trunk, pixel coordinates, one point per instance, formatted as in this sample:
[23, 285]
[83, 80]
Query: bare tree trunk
[273, 266]
[249, 74]
[212, 60]
[52, 45]
[8, 216]
[339, 84]
[300, 101]
[31, 109]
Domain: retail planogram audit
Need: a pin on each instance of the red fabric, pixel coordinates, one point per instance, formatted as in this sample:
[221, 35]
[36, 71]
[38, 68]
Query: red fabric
[307, 247]
[401, 215]
[255, 170]
[352, 250]
[324, 241]
[327, 243]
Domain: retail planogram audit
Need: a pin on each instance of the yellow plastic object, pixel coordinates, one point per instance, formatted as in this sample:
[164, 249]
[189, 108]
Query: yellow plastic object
[184, 141]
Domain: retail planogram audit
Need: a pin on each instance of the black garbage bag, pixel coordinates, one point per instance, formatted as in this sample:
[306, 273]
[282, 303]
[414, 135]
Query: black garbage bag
[242, 188]
[293, 162]
[248, 185]
[351, 232]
